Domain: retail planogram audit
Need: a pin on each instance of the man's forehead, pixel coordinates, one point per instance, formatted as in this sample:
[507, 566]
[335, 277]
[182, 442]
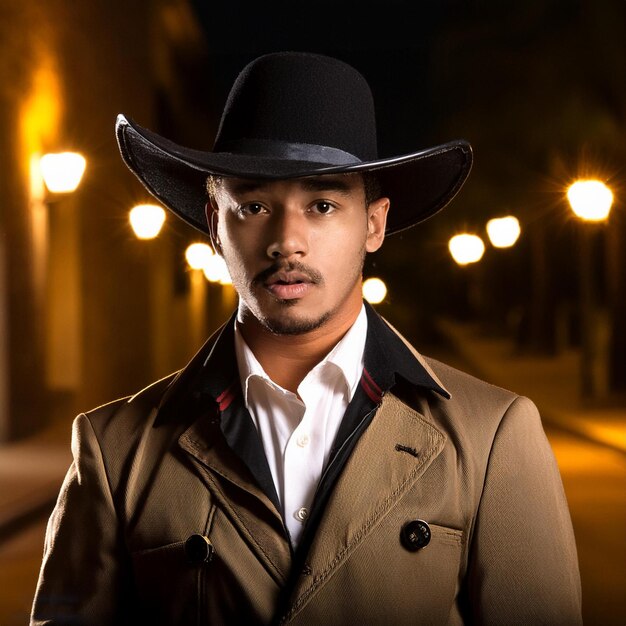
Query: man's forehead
[343, 183]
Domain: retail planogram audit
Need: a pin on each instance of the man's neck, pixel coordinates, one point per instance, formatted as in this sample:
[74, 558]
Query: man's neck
[287, 359]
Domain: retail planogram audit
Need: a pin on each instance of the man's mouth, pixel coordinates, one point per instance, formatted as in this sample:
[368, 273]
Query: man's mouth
[288, 285]
[289, 282]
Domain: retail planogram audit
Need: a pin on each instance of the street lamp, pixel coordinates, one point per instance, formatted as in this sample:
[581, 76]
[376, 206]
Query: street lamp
[374, 290]
[147, 220]
[198, 255]
[466, 248]
[503, 232]
[216, 271]
[62, 171]
[591, 201]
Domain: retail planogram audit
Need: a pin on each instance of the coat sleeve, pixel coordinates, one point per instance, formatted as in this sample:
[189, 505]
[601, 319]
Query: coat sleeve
[84, 568]
[523, 565]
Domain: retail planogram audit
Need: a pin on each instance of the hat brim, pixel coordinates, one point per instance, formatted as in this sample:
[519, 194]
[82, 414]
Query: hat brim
[419, 184]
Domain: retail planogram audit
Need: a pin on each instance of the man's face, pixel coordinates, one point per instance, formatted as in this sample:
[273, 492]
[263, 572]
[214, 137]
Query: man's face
[295, 248]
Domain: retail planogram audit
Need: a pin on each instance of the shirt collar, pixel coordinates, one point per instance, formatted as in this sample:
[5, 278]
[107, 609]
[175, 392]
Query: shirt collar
[213, 370]
[346, 356]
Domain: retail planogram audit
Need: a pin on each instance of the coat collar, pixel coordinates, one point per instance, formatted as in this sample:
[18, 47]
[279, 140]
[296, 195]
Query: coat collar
[212, 372]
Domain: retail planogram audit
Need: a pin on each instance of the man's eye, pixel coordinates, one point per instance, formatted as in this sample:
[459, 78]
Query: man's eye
[251, 209]
[323, 207]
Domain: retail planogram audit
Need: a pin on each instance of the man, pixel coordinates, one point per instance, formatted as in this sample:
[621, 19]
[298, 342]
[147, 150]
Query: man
[308, 466]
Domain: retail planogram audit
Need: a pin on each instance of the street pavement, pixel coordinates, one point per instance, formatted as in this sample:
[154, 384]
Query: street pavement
[589, 443]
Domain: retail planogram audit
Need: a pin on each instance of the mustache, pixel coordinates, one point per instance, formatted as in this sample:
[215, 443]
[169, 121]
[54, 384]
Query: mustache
[312, 275]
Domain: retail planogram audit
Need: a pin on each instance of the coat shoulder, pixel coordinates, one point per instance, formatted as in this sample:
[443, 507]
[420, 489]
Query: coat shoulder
[476, 408]
[133, 409]
[463, 385]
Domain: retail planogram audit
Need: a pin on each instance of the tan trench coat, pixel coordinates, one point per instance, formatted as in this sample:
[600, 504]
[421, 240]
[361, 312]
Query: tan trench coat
[483, 477]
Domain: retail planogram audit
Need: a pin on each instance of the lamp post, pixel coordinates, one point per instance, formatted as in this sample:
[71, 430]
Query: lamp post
[467, 249]
[62, 173]
[591, 201]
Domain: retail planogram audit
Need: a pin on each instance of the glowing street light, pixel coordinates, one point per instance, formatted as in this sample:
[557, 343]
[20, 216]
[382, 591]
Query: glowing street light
[374, 290]
[466, 248]
[590, 200]
[62, 171]
[216, 271]
[198, 255]
[503, 231]
[147, 220]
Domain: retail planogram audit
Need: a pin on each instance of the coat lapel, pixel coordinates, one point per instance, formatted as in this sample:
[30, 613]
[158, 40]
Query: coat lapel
[232, 485]
[391, 455]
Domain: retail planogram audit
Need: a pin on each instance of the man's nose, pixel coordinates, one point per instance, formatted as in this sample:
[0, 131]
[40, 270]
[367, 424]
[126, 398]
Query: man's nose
[289, 235]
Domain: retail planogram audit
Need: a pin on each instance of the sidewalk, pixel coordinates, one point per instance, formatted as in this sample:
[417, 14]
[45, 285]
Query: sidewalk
[31, 474]
[551, 382]
[32, 470]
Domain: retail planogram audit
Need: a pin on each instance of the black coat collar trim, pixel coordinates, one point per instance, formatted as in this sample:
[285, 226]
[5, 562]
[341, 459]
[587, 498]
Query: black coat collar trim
[213, 370]
[387, 358]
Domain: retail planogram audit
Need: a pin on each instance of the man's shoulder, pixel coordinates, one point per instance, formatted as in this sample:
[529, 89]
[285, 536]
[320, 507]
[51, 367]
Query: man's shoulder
[131, 411]
[461, 383]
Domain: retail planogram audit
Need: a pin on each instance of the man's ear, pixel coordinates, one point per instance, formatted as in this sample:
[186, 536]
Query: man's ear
[376, 223]
[210, 211]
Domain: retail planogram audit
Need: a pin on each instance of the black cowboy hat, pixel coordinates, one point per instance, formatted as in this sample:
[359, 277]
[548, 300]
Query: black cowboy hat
[288, 115]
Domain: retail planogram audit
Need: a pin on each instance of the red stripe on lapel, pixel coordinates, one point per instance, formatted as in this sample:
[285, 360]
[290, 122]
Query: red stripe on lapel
[372, 392]
[226, 397]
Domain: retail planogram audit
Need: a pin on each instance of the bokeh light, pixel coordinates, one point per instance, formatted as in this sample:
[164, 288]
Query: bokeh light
[503, 232]
[147, 220]
[590, 200]
[63, 171]
[466, 248]
[198, 255]
[374, 290]
[216, 271]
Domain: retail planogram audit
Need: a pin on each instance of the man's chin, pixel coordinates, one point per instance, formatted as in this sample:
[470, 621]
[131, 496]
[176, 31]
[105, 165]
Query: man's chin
[288, 325]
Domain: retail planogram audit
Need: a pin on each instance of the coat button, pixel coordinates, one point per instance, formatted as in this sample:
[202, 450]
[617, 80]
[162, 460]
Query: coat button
[415, 535]
[199, 549]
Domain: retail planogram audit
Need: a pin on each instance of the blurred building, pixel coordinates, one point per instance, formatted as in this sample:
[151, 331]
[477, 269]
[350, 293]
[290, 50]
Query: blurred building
[88, 312]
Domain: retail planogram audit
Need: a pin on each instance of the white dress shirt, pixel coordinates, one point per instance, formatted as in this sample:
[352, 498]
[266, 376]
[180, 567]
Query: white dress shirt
[298, 430]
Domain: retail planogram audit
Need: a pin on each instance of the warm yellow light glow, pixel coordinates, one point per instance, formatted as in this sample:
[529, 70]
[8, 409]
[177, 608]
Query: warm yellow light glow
[41, 108]
[147, 220]
[216, 271]
[590, 200]
[62, 171]
[226, 279]
[466, 248]
[503, 231]
[197, 255]
[374, 290]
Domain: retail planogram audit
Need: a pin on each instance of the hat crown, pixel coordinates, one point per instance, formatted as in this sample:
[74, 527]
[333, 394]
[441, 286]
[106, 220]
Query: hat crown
[300, 98]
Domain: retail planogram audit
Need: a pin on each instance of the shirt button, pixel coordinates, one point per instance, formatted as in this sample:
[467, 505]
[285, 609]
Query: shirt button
[301, 514]
[303, 440]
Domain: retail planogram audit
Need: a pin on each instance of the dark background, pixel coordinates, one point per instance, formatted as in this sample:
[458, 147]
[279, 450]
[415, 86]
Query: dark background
[537, 88]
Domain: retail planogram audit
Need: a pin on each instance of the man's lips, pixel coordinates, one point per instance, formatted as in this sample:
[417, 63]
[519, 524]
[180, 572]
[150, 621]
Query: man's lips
[289, 291]
[288, 283]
